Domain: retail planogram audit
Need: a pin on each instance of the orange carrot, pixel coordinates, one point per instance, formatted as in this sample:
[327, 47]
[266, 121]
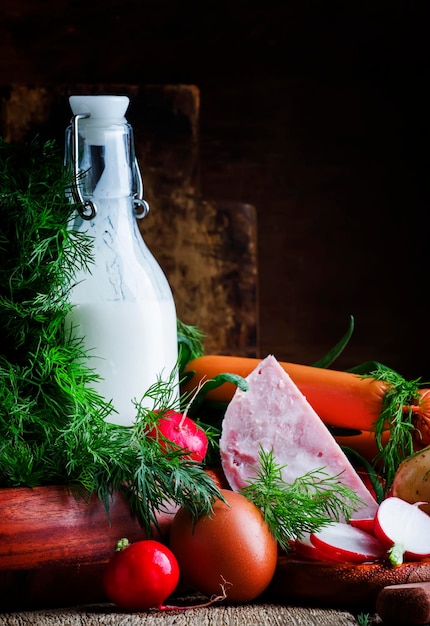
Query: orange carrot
[422, 421]
[341, 399]
[363, 442]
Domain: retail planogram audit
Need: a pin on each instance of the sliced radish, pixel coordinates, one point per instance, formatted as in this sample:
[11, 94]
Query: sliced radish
[367, 524]
[306, 549]
[343, 542]
[404, 529]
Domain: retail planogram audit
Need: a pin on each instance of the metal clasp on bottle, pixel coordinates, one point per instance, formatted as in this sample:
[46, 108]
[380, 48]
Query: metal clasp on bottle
[141, 207]
[87, 208]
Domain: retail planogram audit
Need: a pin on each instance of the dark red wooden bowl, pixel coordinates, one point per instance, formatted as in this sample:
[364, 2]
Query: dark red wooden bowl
[54, 546]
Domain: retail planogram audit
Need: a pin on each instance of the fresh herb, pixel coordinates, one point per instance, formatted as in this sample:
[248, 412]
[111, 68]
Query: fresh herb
[337, 349]
[118, 458]
[397, 415]
[43, 382]
[358, 460]
[308, 504]
[363, 619]
[53, 425]
[190, 343]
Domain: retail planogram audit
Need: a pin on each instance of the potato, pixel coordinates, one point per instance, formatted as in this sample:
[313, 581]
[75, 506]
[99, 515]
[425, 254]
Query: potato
[412, 479]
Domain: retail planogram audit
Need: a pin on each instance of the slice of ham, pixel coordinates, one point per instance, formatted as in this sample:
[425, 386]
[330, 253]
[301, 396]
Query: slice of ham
[275, 415]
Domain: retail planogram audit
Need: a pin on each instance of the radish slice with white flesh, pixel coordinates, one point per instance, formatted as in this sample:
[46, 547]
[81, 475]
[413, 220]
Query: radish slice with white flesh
[304, 548]
[366, 523]
[404, 529]
[343, 542]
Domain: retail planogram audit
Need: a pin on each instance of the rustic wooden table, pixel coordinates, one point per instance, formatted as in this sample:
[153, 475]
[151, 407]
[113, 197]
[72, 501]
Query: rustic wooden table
[221, 615]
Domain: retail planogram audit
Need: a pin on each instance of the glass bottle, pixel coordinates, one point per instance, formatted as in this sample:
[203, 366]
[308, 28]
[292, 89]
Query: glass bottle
[123, 306]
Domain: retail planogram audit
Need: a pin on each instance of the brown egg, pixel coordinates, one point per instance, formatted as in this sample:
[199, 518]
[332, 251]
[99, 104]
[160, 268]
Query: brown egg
[232, 548]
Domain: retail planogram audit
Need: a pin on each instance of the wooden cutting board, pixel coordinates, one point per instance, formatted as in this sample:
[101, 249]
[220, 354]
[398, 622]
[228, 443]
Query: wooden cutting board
[340, 585]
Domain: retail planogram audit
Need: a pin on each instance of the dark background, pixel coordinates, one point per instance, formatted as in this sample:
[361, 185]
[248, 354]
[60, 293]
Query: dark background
[315, 112]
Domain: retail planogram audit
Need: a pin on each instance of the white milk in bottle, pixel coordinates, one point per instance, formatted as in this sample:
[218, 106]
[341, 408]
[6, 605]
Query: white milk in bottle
[123, 306]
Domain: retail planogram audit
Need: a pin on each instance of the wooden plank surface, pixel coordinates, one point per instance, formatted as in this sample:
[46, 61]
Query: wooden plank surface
[249, 614]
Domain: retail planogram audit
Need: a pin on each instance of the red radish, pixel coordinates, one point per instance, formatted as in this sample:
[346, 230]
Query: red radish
[343, 542]
[367, 524]
[404, 529]
[140, 575]
[304, 547]
[183, 432]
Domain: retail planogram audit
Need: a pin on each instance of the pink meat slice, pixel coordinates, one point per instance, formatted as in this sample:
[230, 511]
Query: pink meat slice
[275, 415]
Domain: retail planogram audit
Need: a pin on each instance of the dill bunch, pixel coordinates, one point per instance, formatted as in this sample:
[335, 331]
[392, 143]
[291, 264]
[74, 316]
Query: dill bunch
[399, 401]
[43, 381]
[308, 504]
[53, 426]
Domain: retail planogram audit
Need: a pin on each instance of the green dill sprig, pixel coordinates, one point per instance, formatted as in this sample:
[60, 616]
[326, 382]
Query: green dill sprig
[39, 252]
[108, 457]
[400, 400]
[190, 343]
[310, 503]
[363, 619]
[54, 427]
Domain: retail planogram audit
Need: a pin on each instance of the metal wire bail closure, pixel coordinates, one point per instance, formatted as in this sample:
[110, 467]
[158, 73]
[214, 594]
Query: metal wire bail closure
[141, 207]
[86, 208]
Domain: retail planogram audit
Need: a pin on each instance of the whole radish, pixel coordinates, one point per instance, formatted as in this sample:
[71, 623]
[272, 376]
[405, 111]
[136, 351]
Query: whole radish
[179, 429]
[140, 575]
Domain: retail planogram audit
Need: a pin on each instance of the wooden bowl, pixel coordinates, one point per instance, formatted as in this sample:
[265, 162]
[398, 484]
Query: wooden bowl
[339, 585]
[53, 545]
[51, 526]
